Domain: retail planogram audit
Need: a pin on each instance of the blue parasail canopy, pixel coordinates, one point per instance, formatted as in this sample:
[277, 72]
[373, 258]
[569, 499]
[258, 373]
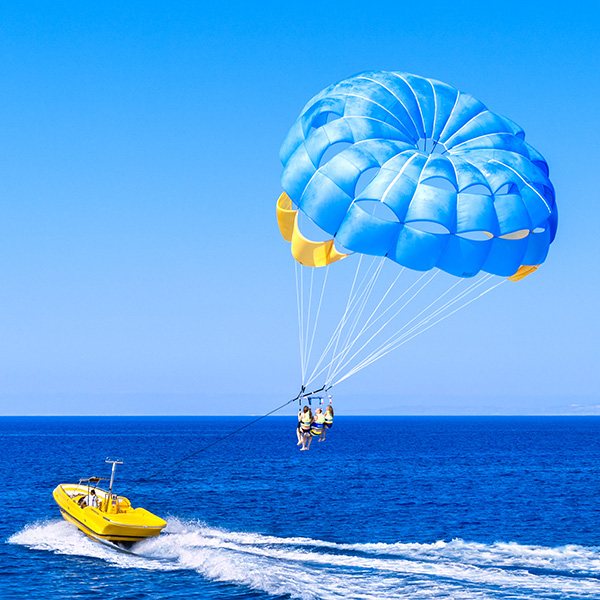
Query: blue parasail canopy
[397, 165]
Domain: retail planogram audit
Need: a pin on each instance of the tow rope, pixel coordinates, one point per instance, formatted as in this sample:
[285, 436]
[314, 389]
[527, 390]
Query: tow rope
[301, 394]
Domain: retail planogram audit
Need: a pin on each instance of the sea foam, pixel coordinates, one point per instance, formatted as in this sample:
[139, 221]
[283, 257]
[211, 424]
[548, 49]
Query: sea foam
[310, 568]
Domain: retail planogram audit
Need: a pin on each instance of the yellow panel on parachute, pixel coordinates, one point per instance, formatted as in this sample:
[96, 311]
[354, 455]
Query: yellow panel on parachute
[305, 251]
[286, 217]
[523, 271]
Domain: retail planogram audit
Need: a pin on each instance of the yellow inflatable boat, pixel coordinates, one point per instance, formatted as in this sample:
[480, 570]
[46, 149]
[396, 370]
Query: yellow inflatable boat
[103, 515]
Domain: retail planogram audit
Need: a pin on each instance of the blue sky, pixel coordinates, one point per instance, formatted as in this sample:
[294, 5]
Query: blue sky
[142, 268]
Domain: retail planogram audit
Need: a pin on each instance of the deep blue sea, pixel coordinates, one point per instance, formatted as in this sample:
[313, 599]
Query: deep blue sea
[386, 507]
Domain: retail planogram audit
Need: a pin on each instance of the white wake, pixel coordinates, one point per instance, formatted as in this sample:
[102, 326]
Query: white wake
[310, 569]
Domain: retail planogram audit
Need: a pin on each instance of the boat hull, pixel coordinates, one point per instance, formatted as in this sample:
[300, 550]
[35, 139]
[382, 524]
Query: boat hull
[123, 524]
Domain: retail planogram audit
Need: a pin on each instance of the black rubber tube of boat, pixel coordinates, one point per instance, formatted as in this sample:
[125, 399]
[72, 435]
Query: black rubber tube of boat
[302, 394]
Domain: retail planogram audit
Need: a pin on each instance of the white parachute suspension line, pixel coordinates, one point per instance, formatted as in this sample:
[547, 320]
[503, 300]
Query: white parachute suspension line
[331, 376]
[317, 318]
[386, 323]
[354, 299]
[307, 326]
[399, 338]
[383, 313]
[361, 304]
[391, 339]
[368, 324]
[405, 339]
[300, 305]
[337, 330]
[383, 299]
[415, 331]
[460, 296]
[399, 335]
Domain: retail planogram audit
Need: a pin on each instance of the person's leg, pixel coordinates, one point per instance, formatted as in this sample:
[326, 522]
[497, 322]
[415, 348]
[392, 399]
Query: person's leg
[310, 437]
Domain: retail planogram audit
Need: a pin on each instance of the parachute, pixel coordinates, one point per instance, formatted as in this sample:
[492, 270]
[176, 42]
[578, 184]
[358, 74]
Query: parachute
[395, 168]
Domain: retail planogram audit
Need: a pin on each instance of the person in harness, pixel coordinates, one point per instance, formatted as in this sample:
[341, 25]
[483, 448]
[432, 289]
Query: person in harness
[328, 421]
[304, 424]
[299, 428]
[316, 429]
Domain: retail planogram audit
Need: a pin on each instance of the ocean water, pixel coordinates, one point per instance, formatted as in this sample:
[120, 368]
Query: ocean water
[387, 507]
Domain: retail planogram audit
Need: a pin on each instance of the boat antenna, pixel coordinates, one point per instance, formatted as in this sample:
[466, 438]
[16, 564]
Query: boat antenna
[114, 462]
